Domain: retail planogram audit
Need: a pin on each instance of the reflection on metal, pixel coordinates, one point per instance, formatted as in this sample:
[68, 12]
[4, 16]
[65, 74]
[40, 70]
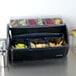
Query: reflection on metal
[2, 65]
[3, 52]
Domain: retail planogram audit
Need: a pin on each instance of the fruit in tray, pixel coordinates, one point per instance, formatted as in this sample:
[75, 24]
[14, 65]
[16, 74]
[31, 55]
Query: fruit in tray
[32, 22]
[41, 45]
[40, 22]
[20, 45]
[52, 44]
[57, 21]
[61, 43]
[22, 22]
[44, 45]
[14, 23]
[32, 45]
[38, 45]
[49, 21]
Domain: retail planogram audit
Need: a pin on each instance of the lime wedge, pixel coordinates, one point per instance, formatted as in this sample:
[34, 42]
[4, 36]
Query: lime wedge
[74, 33]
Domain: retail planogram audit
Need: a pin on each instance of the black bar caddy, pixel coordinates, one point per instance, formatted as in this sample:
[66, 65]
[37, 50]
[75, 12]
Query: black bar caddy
[36, 39]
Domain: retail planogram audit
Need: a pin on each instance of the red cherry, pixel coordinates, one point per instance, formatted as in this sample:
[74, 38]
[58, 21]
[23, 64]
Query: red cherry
[48, 21]
[32, 22]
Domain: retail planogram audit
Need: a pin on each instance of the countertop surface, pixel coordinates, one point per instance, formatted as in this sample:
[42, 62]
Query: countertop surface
[53, 67]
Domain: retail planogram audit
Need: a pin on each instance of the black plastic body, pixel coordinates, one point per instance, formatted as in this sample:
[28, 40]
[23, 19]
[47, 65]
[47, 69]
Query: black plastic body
[29, 53]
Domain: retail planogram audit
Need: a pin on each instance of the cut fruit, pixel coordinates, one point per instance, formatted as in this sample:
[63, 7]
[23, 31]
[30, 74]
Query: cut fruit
[40, 22]
[56, 42]
[14, 23]
[32, 22]
[57, 21]
[20, 45]
[22, 22]
[41, 45]
[49, 21]
[38, 45]
[32, 45]
[52, 44]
